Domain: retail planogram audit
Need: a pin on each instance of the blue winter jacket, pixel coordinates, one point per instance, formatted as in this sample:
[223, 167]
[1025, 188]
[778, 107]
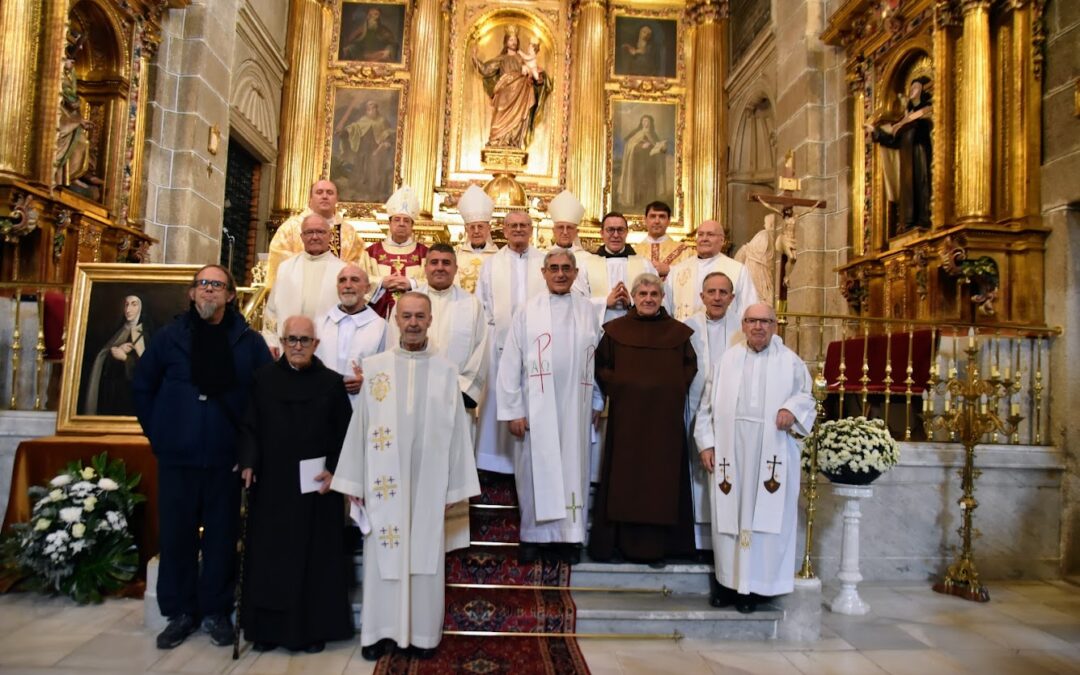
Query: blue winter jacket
[185, 428]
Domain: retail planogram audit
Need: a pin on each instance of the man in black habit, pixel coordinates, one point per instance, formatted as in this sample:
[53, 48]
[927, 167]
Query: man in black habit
[295, 567]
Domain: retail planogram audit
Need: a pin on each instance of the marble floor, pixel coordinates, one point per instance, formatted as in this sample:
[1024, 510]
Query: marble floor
[1028, 627]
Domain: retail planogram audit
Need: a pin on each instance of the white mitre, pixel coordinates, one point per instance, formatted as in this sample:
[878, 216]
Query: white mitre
[403, 202]
[566, 208]
[475, 206]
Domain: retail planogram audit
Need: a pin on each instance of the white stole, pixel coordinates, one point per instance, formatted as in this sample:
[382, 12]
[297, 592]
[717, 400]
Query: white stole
[502, 291]
[544, 422]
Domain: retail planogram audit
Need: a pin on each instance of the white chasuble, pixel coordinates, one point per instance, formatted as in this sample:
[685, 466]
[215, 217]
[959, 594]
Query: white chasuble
[710, 340]
[508, 280]
[305, 285]
[755, 485]
[683, 292]
[547, 377]
[458, 333]
[408, 455]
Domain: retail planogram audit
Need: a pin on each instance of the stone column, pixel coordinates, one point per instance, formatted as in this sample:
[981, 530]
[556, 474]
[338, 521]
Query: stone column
[18, 79]
[974, 114]
[585, 170]
[708, 39]
[299, 153]
[424, 107]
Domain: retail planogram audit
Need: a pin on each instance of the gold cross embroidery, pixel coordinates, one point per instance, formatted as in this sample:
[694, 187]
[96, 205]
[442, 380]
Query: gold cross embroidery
[385, 487]
[744, 539]
[389, 537]
[574, 506]
[381, 438]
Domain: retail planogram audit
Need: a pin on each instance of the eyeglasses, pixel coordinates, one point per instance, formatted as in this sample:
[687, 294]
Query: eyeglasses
[565, 269]
[759, 322]
[302, 340]
[616, 230]
[211, 283]
[314, 233]
[517, 226]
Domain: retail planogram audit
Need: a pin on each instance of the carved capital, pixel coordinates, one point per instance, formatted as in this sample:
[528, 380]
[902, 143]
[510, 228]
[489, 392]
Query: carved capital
[706, 11]
[967, 6]
[579, 6]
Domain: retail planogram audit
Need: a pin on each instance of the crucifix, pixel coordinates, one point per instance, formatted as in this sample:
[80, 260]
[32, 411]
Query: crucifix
[725, 484]
[574, 506]
[783, 204]
[772, 485]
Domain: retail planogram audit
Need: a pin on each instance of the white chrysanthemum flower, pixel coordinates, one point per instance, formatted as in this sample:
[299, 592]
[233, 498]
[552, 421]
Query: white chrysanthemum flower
[42, 524]
[78, 530]
[60, 481]
[88, 473]
[108, 484]
[72, 514]
[89, 503]
[56, 495]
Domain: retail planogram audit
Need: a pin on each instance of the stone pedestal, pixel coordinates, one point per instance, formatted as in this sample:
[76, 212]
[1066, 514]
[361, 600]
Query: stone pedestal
[847, 601]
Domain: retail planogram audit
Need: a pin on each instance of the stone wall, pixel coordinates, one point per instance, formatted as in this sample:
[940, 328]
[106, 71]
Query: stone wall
[1061, 213]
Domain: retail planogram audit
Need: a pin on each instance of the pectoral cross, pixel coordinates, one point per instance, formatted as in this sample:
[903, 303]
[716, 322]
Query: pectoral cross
[574, 506]
[772, 485]
[725, 485]
[397, 265]
[586, 379]
[541, 368]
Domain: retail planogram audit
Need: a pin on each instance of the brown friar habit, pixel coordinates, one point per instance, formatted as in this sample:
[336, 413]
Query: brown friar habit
[296, 569]
[643, 508]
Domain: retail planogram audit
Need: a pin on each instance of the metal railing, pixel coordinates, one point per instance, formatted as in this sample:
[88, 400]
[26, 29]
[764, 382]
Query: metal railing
[25, 364]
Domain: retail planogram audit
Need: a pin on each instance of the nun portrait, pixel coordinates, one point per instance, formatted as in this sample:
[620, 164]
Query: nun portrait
[108, 391]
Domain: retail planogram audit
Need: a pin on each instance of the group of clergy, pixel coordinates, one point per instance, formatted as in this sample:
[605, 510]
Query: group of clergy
[657, 376]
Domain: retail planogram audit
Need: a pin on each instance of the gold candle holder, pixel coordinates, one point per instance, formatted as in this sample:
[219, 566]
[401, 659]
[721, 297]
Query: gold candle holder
[821, 390]
[970, 414]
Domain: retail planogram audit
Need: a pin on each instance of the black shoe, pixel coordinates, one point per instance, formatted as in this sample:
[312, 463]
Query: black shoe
[719, 596]
[264, 646]
[220, 628]
[528, 553]
[179, 628]
[422, 653]
[315, 648]
[373, 652]
[745, 604]
[658, 564]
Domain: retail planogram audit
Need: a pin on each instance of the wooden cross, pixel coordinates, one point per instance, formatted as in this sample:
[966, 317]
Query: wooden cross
[574, 506]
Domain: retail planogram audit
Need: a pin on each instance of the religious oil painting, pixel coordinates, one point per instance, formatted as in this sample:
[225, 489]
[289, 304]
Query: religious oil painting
[116, 310]
[644, 147]
[646, 47]
[372, 32]
[364, 141]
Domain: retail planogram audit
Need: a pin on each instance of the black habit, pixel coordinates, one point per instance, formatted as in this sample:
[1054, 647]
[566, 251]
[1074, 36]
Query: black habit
[296, 567]
[644, 365]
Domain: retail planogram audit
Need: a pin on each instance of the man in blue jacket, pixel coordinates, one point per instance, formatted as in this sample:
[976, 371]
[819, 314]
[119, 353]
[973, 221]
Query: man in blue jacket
[190, 389]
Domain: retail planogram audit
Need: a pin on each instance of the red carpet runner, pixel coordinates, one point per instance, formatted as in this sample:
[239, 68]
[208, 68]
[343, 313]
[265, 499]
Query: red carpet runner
[502, 610]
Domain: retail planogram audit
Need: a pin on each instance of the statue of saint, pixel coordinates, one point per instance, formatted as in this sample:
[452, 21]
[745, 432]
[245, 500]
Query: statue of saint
[518, 89]
[72, 158]
[911, 138]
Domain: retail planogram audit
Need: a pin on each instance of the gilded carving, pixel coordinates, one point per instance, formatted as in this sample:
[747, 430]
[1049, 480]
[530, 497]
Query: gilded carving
[22, 219]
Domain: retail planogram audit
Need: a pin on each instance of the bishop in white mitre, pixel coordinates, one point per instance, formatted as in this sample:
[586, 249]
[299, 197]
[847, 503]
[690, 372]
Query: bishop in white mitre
[684, 280]
[475, 208]
[546, 391]
[759, 392]
[406, 458]
[566, 212]
[306, 283]
[715, 329]
[507, 281]
[350, 331]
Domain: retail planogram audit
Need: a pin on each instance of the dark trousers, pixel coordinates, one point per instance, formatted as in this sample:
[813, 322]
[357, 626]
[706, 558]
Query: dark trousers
[190, 497]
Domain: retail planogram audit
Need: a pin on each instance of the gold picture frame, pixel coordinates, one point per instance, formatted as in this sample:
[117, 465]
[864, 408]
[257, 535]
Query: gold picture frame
[366, 176]
[646, 44]
[661, 150]
[390, 43]
[91, 328]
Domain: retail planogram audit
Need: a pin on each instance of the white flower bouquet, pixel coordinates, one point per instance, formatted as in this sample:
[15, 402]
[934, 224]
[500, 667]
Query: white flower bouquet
[77, 541]
[852, 450]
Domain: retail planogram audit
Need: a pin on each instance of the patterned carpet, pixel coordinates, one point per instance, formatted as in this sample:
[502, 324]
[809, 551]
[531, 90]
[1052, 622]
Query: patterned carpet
[514, 610]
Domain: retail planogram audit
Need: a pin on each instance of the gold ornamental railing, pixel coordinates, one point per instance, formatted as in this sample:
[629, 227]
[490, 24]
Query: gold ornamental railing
[27, 364]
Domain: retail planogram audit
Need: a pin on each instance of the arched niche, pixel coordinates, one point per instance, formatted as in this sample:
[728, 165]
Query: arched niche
[751, 167]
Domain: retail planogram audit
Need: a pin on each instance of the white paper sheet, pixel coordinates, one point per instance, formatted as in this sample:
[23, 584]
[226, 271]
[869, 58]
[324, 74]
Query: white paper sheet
[359, 516]
[309, 468]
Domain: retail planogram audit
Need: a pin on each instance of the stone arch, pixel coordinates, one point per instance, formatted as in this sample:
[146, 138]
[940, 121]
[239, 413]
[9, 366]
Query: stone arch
[751, 166]
[253, 100]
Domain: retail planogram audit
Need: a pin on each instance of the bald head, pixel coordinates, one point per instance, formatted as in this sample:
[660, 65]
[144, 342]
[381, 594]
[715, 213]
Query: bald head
[710, 238]
[352, 288]
[759, 325]
[299, 341]
[413, 317]
[323, 198]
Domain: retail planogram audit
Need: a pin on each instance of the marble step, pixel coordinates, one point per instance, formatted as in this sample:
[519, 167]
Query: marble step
[679, 578]
[690, 615]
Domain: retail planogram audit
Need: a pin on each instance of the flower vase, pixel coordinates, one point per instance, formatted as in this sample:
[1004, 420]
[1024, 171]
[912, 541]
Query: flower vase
[846, 476]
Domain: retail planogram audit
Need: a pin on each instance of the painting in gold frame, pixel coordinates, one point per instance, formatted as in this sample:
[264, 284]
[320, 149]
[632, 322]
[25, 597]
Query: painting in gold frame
[644, 154]
[646, 44]
[106, 335]
[364, 142]
[372, 32]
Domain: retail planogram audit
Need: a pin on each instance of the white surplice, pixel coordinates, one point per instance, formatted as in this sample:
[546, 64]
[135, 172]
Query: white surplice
[710, 340]
[347, 339]
[470, 260]
[547, 375]
[306, 285]
[459, 333]
[754, 519]
[683, 285]
[408, 455]
[602, 274]
[508, 280]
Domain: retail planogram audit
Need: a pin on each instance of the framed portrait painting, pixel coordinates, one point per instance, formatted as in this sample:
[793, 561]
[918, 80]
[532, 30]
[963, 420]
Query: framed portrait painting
[116, 309]
[372, 32]
[644, 152]
[364, 142]
[646, 47]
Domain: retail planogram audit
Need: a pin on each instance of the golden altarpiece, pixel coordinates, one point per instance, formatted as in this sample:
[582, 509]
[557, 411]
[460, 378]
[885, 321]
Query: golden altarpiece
[75, 91]
[976, 251]
[525, 98]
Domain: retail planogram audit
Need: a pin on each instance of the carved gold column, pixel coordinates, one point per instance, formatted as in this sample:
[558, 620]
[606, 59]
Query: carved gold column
[857, 87]
[707, 145]
[19, 24]
[585, 166]
[54, 39]
[942, 174]
[1025, 126]
[299, 149]
[425, 98]
[974, 114]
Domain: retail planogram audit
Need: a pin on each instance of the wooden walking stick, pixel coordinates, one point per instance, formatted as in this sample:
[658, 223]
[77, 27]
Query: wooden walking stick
[241, 545]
